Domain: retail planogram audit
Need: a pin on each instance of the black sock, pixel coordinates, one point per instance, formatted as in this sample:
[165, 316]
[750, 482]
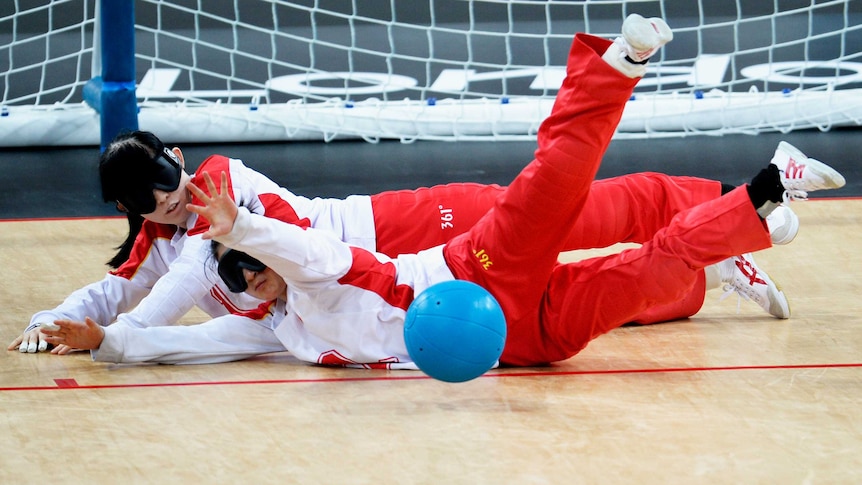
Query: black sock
[725, 188]
[766, 186]
[766, 190]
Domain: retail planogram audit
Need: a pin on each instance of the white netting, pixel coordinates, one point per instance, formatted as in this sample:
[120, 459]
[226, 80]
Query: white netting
[255, 70]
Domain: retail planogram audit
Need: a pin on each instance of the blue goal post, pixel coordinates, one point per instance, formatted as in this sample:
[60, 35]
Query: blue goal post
[112, 91]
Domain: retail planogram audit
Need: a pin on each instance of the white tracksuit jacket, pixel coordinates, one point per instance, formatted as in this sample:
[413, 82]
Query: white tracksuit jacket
[171, 270]
[344, 305]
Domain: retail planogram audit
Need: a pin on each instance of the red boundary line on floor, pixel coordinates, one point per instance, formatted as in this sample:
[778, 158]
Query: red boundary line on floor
[71, 384]
[72, 218]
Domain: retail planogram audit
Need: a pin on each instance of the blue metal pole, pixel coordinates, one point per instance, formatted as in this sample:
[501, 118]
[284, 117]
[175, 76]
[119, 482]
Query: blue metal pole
[113, 93]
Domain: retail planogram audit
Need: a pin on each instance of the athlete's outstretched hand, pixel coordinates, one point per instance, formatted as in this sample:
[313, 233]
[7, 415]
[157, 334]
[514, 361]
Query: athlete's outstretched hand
[35, 341]
[85, 335]
[218, 208]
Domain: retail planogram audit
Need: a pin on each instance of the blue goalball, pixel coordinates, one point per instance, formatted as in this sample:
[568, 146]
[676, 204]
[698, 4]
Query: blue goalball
[455, 331]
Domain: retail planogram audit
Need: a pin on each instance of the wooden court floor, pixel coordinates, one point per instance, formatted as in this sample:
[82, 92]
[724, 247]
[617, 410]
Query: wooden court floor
[729, 396]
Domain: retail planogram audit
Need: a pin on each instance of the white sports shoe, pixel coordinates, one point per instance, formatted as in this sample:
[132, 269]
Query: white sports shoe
[800, 174]
[783, 225]
[751, 283]
[641, 38]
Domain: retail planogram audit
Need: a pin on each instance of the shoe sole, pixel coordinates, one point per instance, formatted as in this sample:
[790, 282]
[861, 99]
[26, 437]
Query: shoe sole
[829, 175]
[789, 231]
[779, 307]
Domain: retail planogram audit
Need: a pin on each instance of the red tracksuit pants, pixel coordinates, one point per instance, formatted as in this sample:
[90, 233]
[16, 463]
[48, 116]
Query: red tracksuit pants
[626, 209]
[553, 310]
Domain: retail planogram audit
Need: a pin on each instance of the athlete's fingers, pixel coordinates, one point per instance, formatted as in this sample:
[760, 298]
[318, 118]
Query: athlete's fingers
[61, 349]
[211, 184]
[69, 349]
[22, 343]
[205, 197]
[197, 192]
[46, 327]
[16, 343]
[29, 342]
[223, 183]
[197, 209]
[52, 333]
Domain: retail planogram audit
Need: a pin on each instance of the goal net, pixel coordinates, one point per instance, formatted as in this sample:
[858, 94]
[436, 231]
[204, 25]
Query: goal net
[270, 70]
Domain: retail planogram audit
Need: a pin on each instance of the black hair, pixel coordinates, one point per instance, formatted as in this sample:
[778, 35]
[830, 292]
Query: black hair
[127, 160]
[125, 249]
[117, 164]
[211, 265]
[214, 245]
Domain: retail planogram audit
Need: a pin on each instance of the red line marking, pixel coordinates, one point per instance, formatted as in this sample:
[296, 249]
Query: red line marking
[65, 384]
[834, 197]
[68, 218]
